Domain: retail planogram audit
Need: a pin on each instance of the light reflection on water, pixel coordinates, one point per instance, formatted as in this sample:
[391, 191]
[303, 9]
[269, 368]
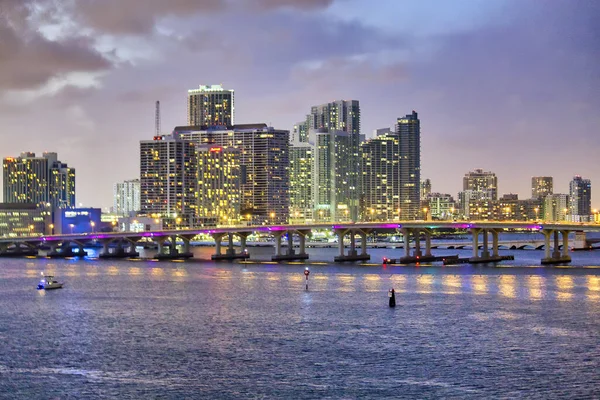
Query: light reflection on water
[479, 283]
[506, 286]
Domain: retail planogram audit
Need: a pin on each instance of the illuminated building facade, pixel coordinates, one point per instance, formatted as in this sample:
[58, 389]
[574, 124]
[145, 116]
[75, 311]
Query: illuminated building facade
[218, 186]
[22, 219]
[264, 163]
[335, 189]
[482, 181]
[168, 180]
[580, 199]
[425, 188]
[556, 207]
[211, 105]
[541, 186]
[35, 180]
[408, 129]
[441, 206]
[126, 197]
[301, 186]
[300, 132]
[380, 172]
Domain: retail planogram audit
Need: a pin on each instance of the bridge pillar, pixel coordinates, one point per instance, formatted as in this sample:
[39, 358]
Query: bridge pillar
[291, 254]
[417, 252]
[105, 244]
[218, 237]
[243, 240]
[363, 242]
[556, 250]
[485, 253]
[352, 244]
[230, 249]
[278, 236]
[475, 234]
[495, 243]
[565, 249]
[406, 239]
[160, 241]
[556, 257]
[427, 242]
[352, 256]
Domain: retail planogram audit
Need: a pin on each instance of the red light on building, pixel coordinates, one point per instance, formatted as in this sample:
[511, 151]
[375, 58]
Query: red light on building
[215, 149]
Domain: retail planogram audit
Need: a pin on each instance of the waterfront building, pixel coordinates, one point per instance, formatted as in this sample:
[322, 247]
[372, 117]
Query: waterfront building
[33, 180]
[441, 206]
[580, 199]
[25, 219]
[218, 185]
[79, 220]
[425, 188]
[211, 105]
[466, 199]
[408, 129]
[510, 208]
[541, 186]
[556, 207]
[300, 132]
[264, 164]
[381, 132]
[380, 183]
[340, 115]
[301, 185]
[168, 180]
[335, 188]
[126, 197]
[482, 181]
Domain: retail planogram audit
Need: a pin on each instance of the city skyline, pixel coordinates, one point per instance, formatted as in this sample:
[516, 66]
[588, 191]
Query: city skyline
[514, 99]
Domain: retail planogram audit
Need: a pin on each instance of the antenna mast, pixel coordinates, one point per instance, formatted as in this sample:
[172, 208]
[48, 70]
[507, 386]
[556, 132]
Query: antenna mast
[157, 119]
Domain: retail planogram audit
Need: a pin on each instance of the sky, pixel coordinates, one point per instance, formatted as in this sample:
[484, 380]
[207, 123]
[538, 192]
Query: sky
[509, 86]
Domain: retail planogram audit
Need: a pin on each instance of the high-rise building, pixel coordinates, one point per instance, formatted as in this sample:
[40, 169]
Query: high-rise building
[218, 185]
[541, 186]
[335, 190]
[482, 181]
[126, 197]
[556, 207]
[441, 206]
[168, 180]
[340, 115]
[300, 132]
[301, 185]
[580, 199]
[408, 129]
[425, 188]
[264, 163]
[380, 183]
[211, 105]
[35, 180]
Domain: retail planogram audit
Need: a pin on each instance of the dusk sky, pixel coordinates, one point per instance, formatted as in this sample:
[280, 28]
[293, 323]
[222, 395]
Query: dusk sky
[510, 86]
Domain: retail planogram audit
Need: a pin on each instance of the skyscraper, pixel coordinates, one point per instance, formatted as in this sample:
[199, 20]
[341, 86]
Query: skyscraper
[340, 116]
[380, 172]
[482, 181]
[218, 186]
[168, 179]
[211, 105]
[264, 163]
[425, 188]
[301, 185]
[31, 179]
[126, 197]
[408, 129]
[580, 199]
[541, 186]
[556, 207]
[335, 191]
[300, 132]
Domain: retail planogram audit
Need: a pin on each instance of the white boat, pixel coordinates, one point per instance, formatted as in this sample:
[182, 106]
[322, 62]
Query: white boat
[49, 283]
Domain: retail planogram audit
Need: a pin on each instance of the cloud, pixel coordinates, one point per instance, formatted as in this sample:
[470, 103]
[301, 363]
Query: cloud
[30, 60]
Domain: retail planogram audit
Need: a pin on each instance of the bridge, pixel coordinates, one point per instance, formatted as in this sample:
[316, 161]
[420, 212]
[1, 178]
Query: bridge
[123, 244]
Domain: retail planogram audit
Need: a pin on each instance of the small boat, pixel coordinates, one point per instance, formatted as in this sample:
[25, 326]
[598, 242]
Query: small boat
[49, 283]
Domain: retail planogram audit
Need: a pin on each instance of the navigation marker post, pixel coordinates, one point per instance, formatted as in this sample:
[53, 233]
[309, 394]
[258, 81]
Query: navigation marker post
[306, 273]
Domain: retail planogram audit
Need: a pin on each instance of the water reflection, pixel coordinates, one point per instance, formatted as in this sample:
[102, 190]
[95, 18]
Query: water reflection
[425, 282]
[133, 271]
[507, 286]
[347, 282]
[534, 284]
[112, 270]
[479, 283]
[453, 282]
[157, 271]
[372, 282]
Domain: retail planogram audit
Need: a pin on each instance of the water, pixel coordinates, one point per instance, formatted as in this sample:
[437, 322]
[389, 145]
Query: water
[142, 329]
